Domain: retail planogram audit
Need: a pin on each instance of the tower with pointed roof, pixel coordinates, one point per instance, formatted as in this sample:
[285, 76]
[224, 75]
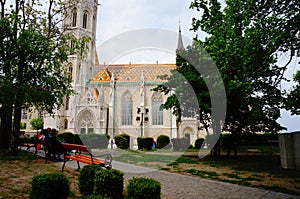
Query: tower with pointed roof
[180, 46]
[80, 20]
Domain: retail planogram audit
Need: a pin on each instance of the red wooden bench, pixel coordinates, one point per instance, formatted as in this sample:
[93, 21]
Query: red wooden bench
[27, 145]
[82, 154]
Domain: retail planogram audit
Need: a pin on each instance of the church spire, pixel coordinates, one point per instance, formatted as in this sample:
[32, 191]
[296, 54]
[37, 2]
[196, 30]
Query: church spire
[180, 46]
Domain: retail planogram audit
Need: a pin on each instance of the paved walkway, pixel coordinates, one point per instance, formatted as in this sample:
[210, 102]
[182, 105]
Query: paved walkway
[177, 186]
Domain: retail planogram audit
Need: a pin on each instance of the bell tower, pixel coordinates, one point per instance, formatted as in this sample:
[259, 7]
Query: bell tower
[80, 21]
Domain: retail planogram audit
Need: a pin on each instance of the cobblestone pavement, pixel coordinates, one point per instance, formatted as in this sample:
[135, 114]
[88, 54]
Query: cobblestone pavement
[177, 186]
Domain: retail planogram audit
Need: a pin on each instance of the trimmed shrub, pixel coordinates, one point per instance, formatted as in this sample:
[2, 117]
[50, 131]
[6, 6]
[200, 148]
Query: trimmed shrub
[76, 139]
[122, 141]
[49, 186]
[180, 143]
[94, 197]
[109, 183]
[23, 139]
[86, 179]
[145, 143]
[162, 141]
[143, 188]
[198, 143]
[140, 141]
[66, 137]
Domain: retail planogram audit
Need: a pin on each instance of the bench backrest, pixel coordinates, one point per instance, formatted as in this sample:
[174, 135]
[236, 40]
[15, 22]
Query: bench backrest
[76, 147]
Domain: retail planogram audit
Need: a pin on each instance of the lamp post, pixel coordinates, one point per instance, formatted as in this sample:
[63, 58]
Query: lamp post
[143, 118]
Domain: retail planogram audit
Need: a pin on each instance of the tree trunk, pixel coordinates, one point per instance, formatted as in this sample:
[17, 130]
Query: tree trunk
[13, 149]
[6, 126]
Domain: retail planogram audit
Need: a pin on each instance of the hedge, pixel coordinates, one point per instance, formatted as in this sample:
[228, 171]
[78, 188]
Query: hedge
[49, 186]
[138, 188]
[162, 141]
[109, 183]
[145, 143]
[122, 141]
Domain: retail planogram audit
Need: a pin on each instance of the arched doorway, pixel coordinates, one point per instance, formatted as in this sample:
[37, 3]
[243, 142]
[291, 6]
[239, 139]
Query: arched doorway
[85, 122]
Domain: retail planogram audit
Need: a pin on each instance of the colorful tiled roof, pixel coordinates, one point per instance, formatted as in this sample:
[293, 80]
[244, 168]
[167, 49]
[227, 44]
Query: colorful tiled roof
[133, 72]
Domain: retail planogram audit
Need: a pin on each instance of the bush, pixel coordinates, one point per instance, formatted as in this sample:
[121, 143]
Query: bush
[95, 141]
[122, 141]
[198, 143]
[145, 143]
[22, 140]
[49, 186]
[143, 188]
[180, 143]
[109, 183]
[76, 139]
[94, 197]
[66, 137]
[162, 141]
[86, 179]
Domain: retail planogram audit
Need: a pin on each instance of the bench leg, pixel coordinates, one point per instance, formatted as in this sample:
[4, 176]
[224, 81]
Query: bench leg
[63, 166]
[78, 165]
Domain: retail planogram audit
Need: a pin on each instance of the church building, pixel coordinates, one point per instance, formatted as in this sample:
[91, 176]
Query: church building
[118, 98]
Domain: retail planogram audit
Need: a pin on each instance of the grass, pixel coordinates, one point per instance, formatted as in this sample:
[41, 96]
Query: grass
[253, 167]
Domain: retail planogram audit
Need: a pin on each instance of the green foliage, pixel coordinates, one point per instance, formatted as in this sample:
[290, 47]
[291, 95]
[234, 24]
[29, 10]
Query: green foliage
[145, 143]
[37, 123]
[293, 96]
[22, 125]
[180, 144]
[33, 50]
[49, 186]
[198, 143]
[86, 179]
[23, 140]
[143, 188]
[67, 137]
[94, 197]
[245, 40]
[162, 141]
[109, 183]
[95, 141]
[122, 141]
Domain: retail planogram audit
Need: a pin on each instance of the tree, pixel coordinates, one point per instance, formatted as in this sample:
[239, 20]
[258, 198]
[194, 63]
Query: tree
[33, 49]
[37, 123]
[293, 96]
[244, 40]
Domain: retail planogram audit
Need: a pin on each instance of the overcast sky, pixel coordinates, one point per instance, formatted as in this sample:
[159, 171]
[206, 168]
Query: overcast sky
[116, 17]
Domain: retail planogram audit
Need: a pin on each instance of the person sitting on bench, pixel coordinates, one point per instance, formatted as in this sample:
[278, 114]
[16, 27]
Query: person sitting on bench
[54, 146]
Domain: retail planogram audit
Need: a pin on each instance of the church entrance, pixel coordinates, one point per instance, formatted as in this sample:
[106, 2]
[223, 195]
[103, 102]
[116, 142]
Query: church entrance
[86, 123]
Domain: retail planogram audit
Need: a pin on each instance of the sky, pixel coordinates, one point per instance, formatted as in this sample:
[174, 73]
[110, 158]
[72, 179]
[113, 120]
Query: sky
[117, 18]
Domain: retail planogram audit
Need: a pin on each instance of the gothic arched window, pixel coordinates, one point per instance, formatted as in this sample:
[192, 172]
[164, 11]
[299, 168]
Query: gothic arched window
[127, 109]
[66, 124]
[85, 19]
[74, 17]
[70, 69]
[157, 112]
[67, 103]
